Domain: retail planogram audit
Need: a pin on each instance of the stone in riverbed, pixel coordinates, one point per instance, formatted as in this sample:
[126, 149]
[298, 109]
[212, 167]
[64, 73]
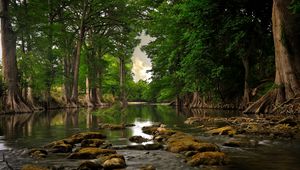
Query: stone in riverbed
[90, 153]
[111, 162]
[92, 142]
[208, 158]
[154, 146]
[148, 167]
[181, 142]
[33, 167]
[114, 163]
[111, 126]
[38, 153]
[138, 139]
[59, 147]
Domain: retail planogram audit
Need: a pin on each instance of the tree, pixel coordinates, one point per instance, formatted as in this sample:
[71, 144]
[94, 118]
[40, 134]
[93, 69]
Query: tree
[13, 99]
[287, 50]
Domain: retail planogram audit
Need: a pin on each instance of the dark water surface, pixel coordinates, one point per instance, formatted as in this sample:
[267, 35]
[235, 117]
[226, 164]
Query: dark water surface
[18, 132]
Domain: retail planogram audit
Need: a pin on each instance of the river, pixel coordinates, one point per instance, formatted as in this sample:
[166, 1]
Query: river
[22, 131]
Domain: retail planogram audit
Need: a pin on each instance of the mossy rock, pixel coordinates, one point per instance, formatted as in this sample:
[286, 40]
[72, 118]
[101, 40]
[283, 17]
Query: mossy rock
[33, 167]
[38, 153]
[150, 130]
[89, 135]
[114, 163]
[138, 139]
[181, 142]
[90, 153]
[226, 130]
[99, 162]
[59, 147]
[208, 158]
[92, 142]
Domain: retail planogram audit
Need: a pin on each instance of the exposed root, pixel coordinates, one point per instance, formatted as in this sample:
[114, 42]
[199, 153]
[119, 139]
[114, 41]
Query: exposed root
[264, 105]
[15, 104]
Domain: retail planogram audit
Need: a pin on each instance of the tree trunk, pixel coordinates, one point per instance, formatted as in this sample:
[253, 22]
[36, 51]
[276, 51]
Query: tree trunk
[67, 79]
[74, 97]
[88, 97]
[13, 99]
[286, 33]
[246, 97]
[122, 82]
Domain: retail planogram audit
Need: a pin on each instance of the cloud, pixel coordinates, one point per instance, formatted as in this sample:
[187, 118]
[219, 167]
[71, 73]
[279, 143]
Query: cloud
[141, 63]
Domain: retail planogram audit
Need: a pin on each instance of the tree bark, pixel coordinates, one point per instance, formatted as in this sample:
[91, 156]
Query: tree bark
[122, 82]
[74, 97]
[13, 99]
[246, 97]
[286, 34]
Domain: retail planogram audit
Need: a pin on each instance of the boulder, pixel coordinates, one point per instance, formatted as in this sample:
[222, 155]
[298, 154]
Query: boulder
[59, 147]
[150, 130]
[207, 158]
[90, 153]
[181, 142]
[138, 139]
[114, 163]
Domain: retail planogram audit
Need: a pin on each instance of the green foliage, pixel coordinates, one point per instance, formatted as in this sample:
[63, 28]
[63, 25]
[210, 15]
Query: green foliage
[199, 46]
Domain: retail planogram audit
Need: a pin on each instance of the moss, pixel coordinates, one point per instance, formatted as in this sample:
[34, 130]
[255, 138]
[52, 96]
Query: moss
[181, 142]
[90, 153]
[102, 159]
[208, 158]
[32, 167]
[226, 130]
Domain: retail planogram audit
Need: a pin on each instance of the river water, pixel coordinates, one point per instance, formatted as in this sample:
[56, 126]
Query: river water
[19, 132]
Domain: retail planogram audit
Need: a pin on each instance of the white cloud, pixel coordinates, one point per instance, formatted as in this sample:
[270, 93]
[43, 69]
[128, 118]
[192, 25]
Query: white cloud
[141, 63]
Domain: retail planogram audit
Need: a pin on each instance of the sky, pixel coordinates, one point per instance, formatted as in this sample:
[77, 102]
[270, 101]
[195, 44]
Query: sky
[141, 63]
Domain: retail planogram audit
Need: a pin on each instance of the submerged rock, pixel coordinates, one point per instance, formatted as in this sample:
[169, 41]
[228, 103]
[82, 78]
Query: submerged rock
[112, 126]
[208, 158]
[154, 146]
[92, 142]
[90, 153]
[33, 167]
[138, 139]
[148, 167]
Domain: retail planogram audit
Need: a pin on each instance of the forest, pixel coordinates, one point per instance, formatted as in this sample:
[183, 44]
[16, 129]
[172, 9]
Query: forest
[229, 68]
[205, 53]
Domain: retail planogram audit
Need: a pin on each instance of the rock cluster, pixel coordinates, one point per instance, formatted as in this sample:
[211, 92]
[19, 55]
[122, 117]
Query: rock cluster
[195, 151]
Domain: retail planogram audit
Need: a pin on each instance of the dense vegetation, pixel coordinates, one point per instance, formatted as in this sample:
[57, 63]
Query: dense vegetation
[204, 53]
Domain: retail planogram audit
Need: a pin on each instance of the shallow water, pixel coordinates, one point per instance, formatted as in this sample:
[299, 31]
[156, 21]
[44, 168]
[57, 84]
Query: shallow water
[18, 132]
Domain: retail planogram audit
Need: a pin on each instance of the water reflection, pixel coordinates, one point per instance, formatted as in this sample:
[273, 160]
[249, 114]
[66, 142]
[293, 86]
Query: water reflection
[37, 129]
